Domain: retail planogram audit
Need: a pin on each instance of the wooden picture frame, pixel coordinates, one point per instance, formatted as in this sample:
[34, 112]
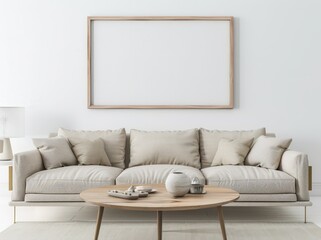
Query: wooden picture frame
[102, 59]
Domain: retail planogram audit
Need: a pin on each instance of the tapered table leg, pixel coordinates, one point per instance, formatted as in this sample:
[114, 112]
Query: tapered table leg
[159, 224]
[10, 178]
[221, 218]
[99, 218]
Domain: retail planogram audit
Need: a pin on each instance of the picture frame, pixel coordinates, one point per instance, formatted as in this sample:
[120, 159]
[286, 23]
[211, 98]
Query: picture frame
[160, 62]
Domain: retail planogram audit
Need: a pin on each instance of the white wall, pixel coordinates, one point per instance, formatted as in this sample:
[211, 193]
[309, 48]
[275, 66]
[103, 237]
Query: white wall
[277, 73]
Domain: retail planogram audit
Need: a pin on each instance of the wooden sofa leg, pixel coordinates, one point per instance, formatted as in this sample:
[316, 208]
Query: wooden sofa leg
[305, 214]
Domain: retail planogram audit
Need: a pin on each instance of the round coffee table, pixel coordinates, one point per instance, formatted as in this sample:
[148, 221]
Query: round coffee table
[160, 201]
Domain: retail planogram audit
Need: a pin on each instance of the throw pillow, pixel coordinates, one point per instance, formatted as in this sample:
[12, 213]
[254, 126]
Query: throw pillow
[164, 147]
[209, 140]
[232, 152]
[55, 152]
[114, 140]
[267, 152]
[90, 152]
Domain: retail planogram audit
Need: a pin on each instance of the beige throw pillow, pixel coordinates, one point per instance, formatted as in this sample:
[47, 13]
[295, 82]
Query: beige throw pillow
[232, 152]
[209, 140]
[114, 140]
[90, 152]
[55, 152]
[267, 152]
[164, 147]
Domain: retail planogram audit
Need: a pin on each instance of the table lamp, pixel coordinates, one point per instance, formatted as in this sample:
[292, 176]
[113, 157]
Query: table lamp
[12, 124]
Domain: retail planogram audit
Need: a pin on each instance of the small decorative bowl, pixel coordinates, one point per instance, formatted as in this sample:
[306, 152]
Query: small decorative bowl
[197, 188]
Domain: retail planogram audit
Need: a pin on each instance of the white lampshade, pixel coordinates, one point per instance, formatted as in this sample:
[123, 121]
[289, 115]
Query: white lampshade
[12, 122]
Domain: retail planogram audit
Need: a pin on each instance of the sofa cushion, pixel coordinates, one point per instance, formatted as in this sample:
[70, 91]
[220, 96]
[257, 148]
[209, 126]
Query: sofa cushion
[164, 147]
[55, 152]
[114, 140]
[47, 197]
[209, 140]
[280, 197]
[155, 174]
[267, 152]
[71, 179]
[90, 152]
[249, 179]
[232, 152]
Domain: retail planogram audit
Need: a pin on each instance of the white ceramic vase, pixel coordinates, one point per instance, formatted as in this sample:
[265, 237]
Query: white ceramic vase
[178, 183]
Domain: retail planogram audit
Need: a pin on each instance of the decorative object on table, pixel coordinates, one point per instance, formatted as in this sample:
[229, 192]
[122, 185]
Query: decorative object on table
[131, 193]
[196, 186]
[11, 126]
[141, 193]
[131, 189]
[148, 189]
[178, 183]
[124, 195]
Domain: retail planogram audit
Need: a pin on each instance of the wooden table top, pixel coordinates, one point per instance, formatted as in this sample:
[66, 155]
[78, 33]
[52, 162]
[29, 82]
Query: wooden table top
[160, 200]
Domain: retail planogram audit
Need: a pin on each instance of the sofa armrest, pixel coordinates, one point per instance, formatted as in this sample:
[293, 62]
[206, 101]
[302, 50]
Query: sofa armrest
[296, 164]
[24, 165]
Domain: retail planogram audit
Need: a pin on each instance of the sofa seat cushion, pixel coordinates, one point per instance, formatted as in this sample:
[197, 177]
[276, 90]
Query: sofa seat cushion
[280, 197]
[154, 174]
[249, 179]
[71, 179]
[41, 197]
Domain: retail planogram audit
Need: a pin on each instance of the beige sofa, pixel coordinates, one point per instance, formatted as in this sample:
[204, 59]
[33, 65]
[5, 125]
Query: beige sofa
[150, 156]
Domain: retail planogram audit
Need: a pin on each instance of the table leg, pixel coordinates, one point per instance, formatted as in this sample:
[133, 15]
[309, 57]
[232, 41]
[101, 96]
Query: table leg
[159, 224]
[221, 218]
[10, 178]
[99, 218]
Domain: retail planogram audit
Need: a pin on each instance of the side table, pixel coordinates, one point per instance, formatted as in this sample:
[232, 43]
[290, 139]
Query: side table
[8, 163]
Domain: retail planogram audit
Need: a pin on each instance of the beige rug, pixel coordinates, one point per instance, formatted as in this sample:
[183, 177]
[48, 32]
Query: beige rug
[172, 230]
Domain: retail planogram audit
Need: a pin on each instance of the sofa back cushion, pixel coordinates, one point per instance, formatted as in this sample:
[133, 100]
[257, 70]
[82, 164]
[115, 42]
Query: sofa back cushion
[209, 140]
[164, 147]
[114, 142]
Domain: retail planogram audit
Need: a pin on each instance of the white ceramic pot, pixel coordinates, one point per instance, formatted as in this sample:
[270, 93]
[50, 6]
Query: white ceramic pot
[178, 183]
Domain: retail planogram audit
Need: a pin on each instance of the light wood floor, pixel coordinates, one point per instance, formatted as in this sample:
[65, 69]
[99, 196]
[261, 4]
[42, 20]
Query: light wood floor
[235, 214]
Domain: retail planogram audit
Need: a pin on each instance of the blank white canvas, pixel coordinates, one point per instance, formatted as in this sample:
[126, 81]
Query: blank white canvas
[160, 62]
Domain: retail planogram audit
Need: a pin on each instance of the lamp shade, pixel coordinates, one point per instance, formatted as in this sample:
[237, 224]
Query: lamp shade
[12, 122]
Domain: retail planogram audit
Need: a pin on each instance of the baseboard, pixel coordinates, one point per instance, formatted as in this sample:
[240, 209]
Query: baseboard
[316, 189]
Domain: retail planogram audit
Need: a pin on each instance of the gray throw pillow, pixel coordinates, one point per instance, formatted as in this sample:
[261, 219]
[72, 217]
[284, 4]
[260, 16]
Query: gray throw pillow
[55, 152]
[90, 152]
[209, 140]
[114, 140]
[232, 151]
[267, 152]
